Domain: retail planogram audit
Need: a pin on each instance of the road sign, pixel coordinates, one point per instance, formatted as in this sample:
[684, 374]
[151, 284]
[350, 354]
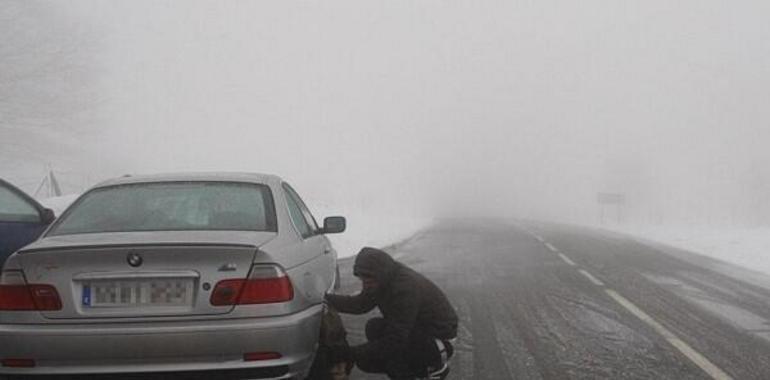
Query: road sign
[611, 198]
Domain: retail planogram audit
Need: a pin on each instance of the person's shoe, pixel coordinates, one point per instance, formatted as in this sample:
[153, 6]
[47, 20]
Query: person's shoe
[441, 371]
[439, 374]
[446, 349]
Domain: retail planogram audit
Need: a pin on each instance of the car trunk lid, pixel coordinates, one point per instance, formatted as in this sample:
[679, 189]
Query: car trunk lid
[166, 275]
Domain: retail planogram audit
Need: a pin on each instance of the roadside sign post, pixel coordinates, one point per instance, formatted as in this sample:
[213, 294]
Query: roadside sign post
[611, 200]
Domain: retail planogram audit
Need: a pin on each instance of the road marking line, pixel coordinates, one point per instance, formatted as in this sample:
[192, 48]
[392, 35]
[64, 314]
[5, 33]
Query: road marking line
[567, 260]
[551, 247]
[699, 360]
[591, 277]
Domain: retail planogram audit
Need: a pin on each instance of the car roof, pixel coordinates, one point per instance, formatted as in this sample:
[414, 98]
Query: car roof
[200, 176]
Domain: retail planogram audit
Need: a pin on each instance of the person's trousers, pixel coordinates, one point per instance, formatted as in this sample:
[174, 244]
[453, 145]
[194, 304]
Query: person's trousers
[421, 352]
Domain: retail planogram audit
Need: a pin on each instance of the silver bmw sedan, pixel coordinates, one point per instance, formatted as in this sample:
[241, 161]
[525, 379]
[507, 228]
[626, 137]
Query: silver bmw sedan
[184, 274]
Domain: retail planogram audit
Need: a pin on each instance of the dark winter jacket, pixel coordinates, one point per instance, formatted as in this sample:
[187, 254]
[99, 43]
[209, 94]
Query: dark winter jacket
[407, 300]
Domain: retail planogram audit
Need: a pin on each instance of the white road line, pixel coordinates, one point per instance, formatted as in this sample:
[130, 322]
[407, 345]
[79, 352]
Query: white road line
[567, 260]
[699, 360]
[551, 247]
[591, 277]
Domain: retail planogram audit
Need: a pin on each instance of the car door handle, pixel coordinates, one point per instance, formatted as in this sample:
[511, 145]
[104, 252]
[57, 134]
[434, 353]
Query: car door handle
[327, 250]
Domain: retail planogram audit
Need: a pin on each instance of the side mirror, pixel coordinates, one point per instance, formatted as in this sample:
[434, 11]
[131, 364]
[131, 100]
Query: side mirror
[47, 216]
[334, 225]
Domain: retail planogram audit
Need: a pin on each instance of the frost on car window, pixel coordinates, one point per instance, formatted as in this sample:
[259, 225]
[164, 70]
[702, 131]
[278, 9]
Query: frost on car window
[171, 206]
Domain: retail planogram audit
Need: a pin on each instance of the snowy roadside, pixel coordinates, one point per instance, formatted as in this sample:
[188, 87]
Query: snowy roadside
[745, 247]
[374, 231]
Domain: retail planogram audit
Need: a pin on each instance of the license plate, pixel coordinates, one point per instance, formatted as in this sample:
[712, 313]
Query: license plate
[129, 293]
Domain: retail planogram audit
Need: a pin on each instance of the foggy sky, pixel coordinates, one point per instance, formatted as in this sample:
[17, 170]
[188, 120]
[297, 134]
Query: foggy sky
[507, 108]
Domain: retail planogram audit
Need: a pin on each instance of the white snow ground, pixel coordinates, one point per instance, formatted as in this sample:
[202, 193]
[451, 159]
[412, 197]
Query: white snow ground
[374, 231]
[746, 247]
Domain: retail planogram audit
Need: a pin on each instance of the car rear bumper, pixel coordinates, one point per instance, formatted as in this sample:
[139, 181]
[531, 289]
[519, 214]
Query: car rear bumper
[279, 372]
[167, 347]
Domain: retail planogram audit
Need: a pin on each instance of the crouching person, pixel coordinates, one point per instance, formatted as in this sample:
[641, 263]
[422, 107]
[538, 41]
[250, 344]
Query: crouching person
[412, 338]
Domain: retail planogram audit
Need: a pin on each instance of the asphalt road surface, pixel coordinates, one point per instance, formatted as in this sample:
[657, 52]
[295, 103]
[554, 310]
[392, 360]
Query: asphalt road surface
[539, 301]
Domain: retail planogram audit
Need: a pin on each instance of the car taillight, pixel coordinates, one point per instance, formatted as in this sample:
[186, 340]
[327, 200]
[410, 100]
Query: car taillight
[265, 284]
[18, 363]
[17, 295]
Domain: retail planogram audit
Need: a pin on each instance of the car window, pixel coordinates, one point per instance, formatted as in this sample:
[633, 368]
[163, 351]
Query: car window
[171, 206]
[309, 219]
[14, 208]
[295, 212]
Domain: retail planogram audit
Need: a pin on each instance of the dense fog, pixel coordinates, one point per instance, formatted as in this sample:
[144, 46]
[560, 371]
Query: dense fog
[411, 108]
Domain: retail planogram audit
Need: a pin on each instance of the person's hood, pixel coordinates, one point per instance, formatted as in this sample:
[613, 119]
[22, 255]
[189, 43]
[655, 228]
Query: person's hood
[375, 263]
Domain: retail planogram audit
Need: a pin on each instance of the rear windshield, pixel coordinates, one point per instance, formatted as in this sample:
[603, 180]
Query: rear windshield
[171, 206]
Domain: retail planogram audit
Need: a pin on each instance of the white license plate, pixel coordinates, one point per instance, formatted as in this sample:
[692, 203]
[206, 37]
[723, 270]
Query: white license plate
[144, 292]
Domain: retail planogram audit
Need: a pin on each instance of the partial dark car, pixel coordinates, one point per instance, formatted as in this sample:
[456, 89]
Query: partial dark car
[22, 219]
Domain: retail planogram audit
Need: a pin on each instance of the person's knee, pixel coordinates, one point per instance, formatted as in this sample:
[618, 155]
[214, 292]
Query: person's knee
[375, 328]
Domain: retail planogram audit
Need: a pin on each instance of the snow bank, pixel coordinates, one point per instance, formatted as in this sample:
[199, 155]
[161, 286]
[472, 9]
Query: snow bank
[745, 247]
[375, 231]
[369, 227]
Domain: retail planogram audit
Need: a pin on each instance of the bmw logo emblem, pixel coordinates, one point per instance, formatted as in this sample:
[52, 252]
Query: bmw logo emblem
[134, 260]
